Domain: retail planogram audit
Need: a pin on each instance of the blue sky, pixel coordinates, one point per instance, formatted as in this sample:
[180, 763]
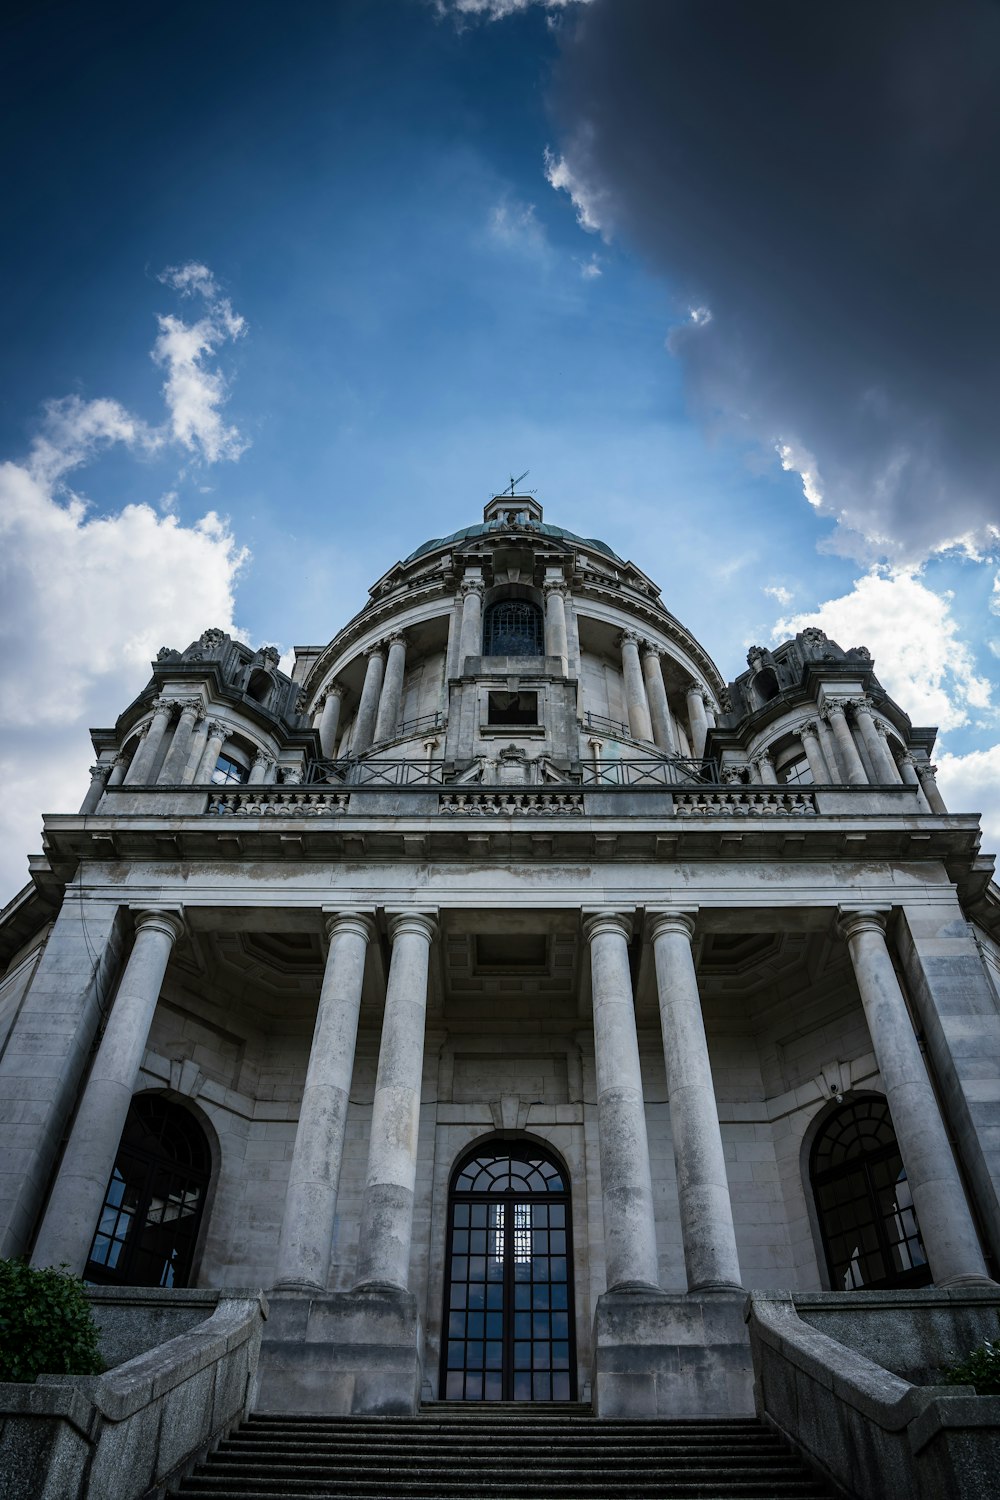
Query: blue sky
[304, 270]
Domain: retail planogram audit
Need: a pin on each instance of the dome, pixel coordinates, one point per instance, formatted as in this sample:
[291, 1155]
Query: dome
[484, 528]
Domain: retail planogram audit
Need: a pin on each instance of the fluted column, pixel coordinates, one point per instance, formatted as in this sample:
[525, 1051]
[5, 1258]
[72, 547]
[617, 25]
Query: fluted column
[305, 1244]
[118, 768]
[814, 753]
[262, 763]
[180, 748]
[470, 640]
[67, 1230]
[387, 1210]
[556, 641]
[99, 775]
[626, 1182]
[946, 1225]
[845, 744]
[928, 785]
[391, 697]
[764, 766]
[640, 726]
[212, 751]
[829, 746]
[329, 721]
[878, 750]
[697, 719]
[908, 771]
[710, 1254]
[364, 722]
[882, 730]
[656, 694]
[144, 758]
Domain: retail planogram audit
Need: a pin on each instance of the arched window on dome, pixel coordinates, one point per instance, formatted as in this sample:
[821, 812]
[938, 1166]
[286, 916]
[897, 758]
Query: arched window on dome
[866, 1216]
[148, 1225]
[513, 627]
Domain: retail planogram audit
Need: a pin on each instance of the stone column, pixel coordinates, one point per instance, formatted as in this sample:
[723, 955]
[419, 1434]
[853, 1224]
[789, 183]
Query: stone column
[764, 767]
[908, 771]
[306, 1240]
[67, 1230]
[829, 747]
[262, 763]
[946, 1225]
[387, 1210]
[845, 744]
[197, 752]
[878, 751]
[882, 730]
[212, 751]
[656, 693]
[329, 721]
[144, 757]
[637, 709]
[118, 768]
[177, 756]
[626, 1183]
[928, 785]
[697, 719]
[364, 721]
[391, 697]
[470, 640]
[556, 643]
[99, 775]
[710, 1254]
[814, 753]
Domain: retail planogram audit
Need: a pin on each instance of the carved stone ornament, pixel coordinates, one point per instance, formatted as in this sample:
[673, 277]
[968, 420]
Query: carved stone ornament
[212, 638]
[629, 638]
[101, 771]
[649, 648]
[397, 638]
[165, 652]
[270, 654]
[755, 656]
[813, 636]
[263, 759]
[472, 586]
[554, 586]
[861, 652]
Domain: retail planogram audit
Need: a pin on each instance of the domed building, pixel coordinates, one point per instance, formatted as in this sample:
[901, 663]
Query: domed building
[508, 996]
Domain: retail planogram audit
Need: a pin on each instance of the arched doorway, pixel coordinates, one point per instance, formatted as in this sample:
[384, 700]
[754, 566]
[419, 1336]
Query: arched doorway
[508, 1322]
[867, 1220]
[148, 1225]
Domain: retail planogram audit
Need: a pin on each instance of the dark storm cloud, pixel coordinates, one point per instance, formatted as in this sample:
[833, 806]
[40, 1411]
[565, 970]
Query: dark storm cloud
[824, 178]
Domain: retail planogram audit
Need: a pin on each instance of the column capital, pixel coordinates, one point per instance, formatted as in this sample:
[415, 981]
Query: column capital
[396, 638]
[192, 706]
[332, 690]
[166, 919]
[881, 727]
[629, 638]
[671, 920]
[163, 704]
[121, 759]
[262, 758]
[862, 705]
[854, 920]
[555, 586]
[472, 586]
[404, 920]
[810, 727]
[925, 770]
[833, 707]
[599, 920]
[216, 727]
[377, 648]
[101, 771]
[651, 649]
[361, 923]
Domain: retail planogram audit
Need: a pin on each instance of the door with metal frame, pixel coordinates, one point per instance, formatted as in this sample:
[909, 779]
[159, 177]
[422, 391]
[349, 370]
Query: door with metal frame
[508, 1319]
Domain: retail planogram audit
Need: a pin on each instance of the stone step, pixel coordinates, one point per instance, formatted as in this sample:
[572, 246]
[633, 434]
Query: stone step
[555, 1467]
[247, 1447]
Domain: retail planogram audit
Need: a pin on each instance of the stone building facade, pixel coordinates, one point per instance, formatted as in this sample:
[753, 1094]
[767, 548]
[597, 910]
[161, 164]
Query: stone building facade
[506, 993]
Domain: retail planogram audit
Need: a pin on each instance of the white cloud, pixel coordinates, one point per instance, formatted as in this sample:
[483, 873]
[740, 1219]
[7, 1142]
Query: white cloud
[778, 591]
[971, 783]
[591, 212]
[911, 633]
[591, 269]
[515, 225]
[498, 10]
[87, 601]
[798, 460]
[193, 393]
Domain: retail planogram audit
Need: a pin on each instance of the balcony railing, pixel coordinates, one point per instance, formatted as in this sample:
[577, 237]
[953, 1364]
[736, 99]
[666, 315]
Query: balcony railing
[663, 771]
[745, 802]
[377, 772]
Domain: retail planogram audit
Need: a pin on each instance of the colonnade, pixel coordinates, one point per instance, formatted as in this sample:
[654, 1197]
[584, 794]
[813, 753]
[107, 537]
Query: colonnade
[647, 706]
[838, 756]
[705, 1209]
[190, 756]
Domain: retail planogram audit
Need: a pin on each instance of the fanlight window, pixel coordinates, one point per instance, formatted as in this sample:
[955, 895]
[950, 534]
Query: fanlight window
[152, 1209]
[513, 627]
[509, 1300]
[868, 1223]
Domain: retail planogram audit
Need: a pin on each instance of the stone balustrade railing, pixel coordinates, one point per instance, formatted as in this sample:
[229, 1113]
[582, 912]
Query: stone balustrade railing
[745, 802]
[505, 802]
[279, 802]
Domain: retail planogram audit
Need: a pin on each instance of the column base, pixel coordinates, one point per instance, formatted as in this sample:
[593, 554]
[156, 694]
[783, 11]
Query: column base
[341, 1354]
[672, 1354]
[709, 1288]
[959, 1283]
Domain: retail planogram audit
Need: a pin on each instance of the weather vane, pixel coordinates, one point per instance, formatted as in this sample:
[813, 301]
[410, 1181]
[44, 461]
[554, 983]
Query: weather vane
[510, 489]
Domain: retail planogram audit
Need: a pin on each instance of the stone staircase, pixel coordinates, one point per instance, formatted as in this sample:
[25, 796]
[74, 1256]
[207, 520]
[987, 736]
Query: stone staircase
[508, 1452]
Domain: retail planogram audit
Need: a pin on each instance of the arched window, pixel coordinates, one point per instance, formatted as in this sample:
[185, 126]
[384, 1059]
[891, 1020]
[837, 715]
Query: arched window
[148, 1225]
[513, 627]
[508, 1319]
[866, 1215]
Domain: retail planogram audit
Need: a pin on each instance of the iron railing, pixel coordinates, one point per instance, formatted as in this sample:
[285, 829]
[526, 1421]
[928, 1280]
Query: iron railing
[664, 771]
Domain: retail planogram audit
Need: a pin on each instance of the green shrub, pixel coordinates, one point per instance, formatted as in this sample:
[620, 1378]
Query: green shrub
[981, 1368]
[45, 1324]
